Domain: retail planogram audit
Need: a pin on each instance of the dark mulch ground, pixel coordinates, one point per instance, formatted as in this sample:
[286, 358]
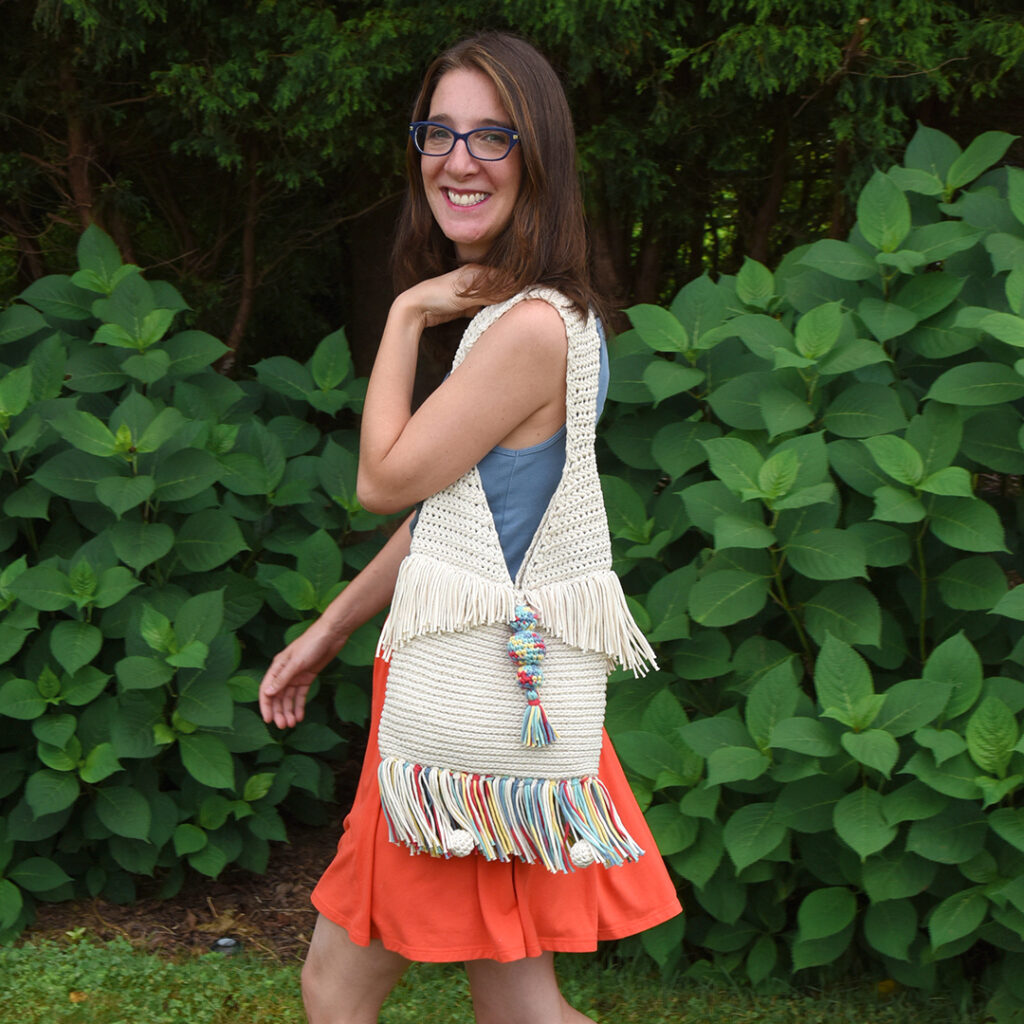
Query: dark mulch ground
[269, 913]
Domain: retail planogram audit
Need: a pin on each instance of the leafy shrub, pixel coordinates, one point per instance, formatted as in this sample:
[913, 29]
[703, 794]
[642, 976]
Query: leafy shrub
[162, 527]
[816, 515]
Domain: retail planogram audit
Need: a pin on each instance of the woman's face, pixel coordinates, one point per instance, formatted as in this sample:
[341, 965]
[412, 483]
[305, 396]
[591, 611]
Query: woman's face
[471, 200]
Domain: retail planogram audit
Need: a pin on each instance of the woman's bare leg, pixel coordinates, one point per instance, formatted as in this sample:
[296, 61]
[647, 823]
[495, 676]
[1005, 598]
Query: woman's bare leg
[520, 992]
[343, 983]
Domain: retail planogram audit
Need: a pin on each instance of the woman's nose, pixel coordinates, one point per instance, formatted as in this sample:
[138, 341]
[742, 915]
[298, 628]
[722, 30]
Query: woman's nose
[460, 160]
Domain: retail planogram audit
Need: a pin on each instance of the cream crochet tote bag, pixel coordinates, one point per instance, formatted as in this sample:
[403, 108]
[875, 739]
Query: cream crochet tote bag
[491, 735]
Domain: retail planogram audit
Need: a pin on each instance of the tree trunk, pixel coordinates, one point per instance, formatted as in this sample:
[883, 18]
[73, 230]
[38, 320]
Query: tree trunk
[80, 151]
[767, 215]
[30, 265]
[839, 215]
[250, 278]
[647, 276]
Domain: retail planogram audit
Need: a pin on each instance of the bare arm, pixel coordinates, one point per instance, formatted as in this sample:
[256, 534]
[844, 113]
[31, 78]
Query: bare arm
[510, 390]
[285, 686]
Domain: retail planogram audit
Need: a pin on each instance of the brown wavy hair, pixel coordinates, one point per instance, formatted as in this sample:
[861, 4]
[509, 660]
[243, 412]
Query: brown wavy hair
[545, 241]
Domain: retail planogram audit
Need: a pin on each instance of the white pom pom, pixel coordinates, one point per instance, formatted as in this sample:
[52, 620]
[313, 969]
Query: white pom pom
[582, 854]
[461, 844]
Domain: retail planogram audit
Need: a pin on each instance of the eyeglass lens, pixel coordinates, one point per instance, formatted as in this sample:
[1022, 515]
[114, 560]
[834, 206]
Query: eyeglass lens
[485, 143]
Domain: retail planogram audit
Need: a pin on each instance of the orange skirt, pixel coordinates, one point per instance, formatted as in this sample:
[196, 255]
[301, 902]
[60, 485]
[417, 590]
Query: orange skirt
[439, 910]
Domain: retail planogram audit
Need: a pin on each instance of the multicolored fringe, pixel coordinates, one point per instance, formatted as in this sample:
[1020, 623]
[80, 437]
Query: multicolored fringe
[533, 819]
[526, 648]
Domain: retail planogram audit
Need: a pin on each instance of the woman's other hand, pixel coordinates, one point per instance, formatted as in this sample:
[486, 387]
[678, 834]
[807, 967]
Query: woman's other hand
[284, 688]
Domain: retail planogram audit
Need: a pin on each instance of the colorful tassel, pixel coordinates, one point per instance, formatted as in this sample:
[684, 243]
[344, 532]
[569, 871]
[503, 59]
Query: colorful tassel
[526, 648]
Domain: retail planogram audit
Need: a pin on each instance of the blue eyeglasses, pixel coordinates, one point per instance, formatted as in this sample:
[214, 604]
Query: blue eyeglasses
[434, 139]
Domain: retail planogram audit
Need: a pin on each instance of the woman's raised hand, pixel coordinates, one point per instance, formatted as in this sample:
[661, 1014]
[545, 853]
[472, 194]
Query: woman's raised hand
[439, 299]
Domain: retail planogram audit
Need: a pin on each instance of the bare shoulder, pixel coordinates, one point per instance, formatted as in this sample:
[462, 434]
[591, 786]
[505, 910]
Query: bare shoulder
[531, 330]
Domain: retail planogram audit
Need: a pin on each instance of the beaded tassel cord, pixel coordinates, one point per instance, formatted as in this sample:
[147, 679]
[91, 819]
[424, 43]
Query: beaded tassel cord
[526, 649]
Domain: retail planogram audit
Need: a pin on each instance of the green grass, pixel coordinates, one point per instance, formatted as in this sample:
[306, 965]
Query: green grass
[83, 982]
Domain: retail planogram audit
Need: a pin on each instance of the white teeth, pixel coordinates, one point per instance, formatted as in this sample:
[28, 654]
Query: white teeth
[466, 198]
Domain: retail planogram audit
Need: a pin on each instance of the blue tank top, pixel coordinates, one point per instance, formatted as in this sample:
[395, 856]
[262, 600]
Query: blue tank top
[519, 482]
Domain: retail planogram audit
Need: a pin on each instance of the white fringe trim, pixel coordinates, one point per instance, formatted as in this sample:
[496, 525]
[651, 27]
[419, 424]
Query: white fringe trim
[589, 613]
[432, 597]
[533, 819]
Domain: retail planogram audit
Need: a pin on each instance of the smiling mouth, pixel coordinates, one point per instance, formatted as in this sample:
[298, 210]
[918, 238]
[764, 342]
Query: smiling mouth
[464, 199]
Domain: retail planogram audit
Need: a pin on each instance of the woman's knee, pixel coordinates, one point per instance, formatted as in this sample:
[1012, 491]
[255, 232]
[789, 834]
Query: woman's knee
[345, 983]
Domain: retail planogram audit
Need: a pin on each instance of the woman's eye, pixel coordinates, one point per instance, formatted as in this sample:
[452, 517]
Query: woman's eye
[438, 134]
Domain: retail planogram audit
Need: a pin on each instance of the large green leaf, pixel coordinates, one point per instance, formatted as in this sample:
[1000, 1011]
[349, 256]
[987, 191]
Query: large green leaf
[737, 402]
[653, 756]
[953, 836]
[55, 295]
[913, 703]
[700, 307]
[842, 677]
[206, 702]
[864, 410]
[982, 152]
[331, 362]
[735, 764]
[75, 644]
[840, 259]
[676, 447]
[957, 916]
[896, 876]
[139, 544]
[823, 912]
[827, 554]
[207, 540]
[891, 927]
[727, 596]
[666, 604]
[1012, 604]
[125, 811]
[207, 760]
[849, 611]
[860, 822]
[886, 320]
[48, 791]
[20, 698]
[805, 736]
[755, 285]
[874, 748]
[43, 587]
[883, 213]
[735, 462]
[189, 352]
[39, 874]
[896, 457]
[956, 662]
[991, 736]
[977, 384]
[658, 328]
[751, 833]
[968, 524]
[772, 699]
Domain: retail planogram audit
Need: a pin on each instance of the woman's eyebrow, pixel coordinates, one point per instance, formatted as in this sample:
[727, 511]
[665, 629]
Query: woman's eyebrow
[487, 122]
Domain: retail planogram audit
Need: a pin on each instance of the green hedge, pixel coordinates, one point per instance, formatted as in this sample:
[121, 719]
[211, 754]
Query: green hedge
[814, 493]
[163, 528]
[815, 498]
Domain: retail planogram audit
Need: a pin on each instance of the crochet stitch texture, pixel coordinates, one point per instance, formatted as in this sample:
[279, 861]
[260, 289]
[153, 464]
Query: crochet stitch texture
[451, 736]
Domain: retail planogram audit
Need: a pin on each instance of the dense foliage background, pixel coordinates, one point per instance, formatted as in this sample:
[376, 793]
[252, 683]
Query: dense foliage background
[813, 447]
[253, 150]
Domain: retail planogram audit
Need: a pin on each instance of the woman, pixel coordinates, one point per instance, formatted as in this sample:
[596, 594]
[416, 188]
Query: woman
[510, 529]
